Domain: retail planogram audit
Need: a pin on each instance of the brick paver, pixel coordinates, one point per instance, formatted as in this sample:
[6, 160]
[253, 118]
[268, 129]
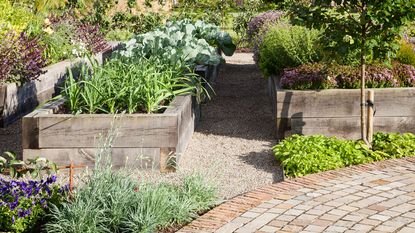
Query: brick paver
[378, 197]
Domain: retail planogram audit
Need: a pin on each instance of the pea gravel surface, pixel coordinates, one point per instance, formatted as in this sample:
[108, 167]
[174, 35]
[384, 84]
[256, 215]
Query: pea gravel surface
[232, 143]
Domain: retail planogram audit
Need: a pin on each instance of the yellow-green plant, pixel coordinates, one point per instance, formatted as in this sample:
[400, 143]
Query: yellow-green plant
[406, 53]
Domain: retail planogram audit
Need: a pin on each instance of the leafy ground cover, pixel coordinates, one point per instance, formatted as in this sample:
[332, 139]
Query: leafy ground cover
[302, 155]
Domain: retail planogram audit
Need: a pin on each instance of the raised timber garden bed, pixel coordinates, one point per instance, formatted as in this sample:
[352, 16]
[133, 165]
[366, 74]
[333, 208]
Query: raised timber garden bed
[17, 101]
[336, 112]
[144, 141]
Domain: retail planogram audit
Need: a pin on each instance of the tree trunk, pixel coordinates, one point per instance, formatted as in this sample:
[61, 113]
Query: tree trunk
[363, 127]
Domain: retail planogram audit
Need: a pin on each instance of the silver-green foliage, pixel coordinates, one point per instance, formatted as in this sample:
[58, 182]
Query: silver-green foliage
[113, 201]
[131, 86]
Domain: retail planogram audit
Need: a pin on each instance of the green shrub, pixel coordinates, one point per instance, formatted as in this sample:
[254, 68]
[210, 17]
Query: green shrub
[406, 54]
[113, 201]
[394, 144]
[14, 17]
[302, 155]
[287, 46]
[119, 35]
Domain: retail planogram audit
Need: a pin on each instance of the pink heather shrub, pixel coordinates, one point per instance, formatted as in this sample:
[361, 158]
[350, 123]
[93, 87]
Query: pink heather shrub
[320, 76]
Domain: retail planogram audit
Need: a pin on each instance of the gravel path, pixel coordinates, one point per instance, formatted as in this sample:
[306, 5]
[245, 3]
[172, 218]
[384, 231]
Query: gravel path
[232, 144]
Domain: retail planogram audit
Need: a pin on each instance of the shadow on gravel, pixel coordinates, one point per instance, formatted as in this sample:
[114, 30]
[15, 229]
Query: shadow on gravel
[265, 161]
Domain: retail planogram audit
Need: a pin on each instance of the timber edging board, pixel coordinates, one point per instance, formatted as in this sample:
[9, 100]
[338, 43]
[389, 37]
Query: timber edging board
[336, 112]
[142, 140]
[17, 101]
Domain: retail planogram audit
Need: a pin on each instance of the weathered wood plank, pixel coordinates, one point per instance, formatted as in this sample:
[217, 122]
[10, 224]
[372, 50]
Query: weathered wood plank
[346, 127]
[30, 134]
[66, 131]
[341, 103]
[133, 158]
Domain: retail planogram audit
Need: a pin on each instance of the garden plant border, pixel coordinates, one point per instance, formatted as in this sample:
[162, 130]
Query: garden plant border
[336, 112]
[17, 101]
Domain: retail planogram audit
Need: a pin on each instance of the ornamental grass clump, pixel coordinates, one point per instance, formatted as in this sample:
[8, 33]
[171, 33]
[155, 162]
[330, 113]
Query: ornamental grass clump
[114, 201]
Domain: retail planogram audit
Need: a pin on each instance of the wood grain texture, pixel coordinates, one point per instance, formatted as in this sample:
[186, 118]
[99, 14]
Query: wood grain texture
[140, 158]
[348, 127]
[336, 112]
[135, 130]
[338, 103]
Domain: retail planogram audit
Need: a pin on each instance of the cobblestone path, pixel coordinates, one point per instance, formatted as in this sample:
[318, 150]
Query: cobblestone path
[375, 198]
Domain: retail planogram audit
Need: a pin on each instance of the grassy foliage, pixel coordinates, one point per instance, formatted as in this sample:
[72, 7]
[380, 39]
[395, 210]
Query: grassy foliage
[287, 46]
[116, 202]
[302, 155]
[134, 86]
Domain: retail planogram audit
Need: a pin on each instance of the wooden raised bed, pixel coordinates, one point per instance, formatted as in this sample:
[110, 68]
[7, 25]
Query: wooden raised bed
[143, 140]
[336, 112]
[17, 101]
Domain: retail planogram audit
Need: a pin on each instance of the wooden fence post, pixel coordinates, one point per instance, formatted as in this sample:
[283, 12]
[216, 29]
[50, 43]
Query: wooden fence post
[370, 111]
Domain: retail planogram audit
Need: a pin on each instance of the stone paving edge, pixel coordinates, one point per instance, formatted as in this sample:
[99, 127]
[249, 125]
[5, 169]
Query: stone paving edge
[233, 208]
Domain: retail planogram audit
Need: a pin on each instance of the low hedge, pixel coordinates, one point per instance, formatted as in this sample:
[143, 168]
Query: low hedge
[302, 155]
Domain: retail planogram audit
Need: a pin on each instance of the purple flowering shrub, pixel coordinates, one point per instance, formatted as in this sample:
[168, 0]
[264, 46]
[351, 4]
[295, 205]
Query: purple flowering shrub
[321, 76]
[405, 73]
[20, 58]
[92, 37]
[23, 204]
[258, 27]
[309, 76]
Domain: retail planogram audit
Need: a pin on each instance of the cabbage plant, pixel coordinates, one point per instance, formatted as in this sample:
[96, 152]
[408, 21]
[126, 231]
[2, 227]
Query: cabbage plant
[181, 42]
